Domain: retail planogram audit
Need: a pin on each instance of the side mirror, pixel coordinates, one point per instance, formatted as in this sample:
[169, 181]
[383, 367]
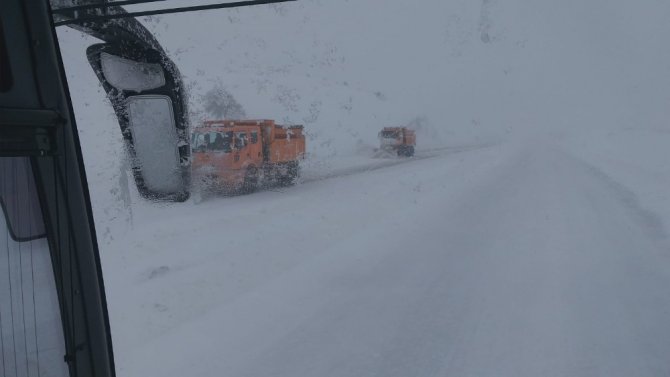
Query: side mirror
[146, 92]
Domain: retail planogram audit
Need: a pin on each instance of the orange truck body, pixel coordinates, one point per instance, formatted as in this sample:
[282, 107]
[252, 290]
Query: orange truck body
[400, 140]
[243, 154]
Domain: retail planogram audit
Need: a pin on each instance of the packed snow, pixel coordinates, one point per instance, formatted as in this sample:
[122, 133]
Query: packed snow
[528, 237]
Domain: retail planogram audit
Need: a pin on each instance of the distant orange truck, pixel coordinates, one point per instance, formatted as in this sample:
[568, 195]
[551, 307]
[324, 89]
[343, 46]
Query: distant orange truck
[241, 155]
[400, 140]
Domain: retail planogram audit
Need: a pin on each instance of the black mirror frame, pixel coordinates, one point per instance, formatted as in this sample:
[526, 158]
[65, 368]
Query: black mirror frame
[173, 89]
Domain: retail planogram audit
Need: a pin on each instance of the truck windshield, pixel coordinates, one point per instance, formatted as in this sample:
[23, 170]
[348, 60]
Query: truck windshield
[471, 199]
[212, 141]
[389, 134]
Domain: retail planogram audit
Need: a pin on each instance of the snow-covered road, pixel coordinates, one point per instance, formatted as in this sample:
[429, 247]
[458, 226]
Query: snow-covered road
[511, 260]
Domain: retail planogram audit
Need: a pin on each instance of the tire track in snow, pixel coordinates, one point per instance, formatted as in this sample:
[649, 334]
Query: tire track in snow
[650, 222]
[383, 164]
[485, 22]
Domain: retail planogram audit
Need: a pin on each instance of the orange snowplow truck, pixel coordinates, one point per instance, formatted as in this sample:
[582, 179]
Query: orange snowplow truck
[400, 140]
[241, 155]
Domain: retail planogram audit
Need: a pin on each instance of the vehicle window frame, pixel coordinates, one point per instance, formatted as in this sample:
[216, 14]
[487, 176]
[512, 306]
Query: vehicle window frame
[6, 78]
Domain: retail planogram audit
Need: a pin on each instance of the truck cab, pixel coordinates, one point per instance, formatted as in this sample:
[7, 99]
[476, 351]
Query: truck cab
[235, 155]
[224, 153]
[400, 140]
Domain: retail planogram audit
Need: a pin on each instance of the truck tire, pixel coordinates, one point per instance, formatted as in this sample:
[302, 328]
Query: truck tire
[250, 183]
[293, 170]
[405, 151]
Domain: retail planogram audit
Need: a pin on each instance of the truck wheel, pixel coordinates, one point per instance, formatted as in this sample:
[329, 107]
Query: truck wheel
[250, 183]
[291, 175]
[410, 151]
[403, 152]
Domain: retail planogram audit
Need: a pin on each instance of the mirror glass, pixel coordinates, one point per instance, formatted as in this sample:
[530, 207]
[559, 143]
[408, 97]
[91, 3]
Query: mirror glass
[125, 74]
[152, 125]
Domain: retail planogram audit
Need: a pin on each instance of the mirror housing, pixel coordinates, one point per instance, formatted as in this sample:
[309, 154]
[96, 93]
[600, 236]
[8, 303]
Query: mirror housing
[148, 98]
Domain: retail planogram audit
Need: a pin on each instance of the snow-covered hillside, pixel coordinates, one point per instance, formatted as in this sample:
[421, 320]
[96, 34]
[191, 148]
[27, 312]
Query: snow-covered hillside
[529, 236]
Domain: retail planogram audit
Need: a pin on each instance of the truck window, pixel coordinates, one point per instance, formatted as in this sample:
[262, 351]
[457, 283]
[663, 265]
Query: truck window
[220, 141]
[254, 137]
[240, 140]
[31, 336]
[212, 141]
[389, 134]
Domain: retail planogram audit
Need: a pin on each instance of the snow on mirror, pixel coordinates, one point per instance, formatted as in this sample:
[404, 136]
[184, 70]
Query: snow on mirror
[152, 125]
[125, 74]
